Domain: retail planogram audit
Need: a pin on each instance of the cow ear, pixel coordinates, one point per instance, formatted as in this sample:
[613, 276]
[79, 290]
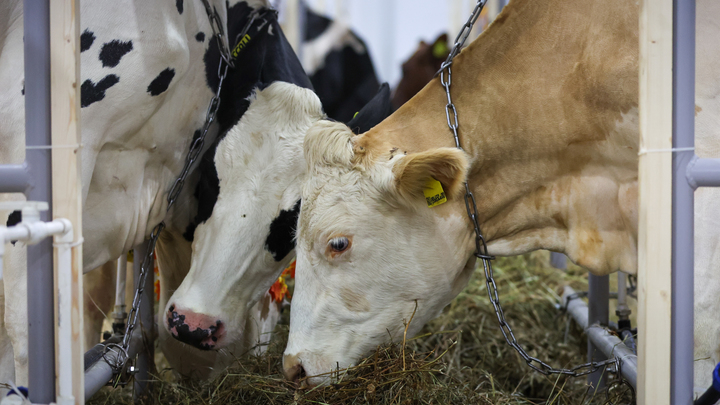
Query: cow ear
[376, 110]
[412, 173]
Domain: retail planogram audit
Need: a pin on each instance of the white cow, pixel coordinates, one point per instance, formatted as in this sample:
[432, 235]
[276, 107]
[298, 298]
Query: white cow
[149, 71]
[547, 99]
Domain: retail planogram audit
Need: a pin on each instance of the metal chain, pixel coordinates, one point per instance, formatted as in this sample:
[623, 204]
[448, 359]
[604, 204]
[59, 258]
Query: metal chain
[193, 153]
[481, 251]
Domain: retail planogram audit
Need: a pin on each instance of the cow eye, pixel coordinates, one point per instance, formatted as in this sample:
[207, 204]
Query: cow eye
[339, 244]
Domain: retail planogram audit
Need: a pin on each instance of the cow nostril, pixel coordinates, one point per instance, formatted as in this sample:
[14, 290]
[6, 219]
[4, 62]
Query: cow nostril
[300, 373]
[172, 308]
[295, 373]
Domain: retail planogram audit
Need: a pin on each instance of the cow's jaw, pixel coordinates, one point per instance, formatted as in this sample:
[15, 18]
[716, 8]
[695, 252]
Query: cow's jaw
[260, 166]
[346, 303]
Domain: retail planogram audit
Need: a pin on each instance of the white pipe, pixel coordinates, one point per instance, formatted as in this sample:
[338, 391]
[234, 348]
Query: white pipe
[31, 231]
[64, 245]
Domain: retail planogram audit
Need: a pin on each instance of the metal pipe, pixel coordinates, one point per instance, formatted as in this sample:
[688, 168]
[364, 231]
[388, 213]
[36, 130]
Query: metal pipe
[119, 315]
[98, 370]
[622, 290]
[558, 260]
[40, 285]
[598, 313]
[683, 213]
[146, 322]
[622, 310]
[606, 342]
[703, 172]
[14, 178]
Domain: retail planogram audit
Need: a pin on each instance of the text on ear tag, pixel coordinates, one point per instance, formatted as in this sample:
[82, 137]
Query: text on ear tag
[434, 193]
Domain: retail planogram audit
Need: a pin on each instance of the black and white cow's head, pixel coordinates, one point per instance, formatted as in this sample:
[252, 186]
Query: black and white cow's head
[248, 189]
[246, 235]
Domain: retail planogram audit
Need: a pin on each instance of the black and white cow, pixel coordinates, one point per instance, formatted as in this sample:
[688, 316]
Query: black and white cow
[149, 70]
[339, 66]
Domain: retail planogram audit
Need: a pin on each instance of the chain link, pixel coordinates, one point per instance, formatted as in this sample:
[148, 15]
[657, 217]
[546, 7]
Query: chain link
[193, 153]
[481, 251]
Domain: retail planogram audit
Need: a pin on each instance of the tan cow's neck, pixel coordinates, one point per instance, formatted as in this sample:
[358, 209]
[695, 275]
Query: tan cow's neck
[547, 101]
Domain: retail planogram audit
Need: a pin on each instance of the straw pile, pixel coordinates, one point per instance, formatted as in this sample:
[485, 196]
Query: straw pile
[459, 358]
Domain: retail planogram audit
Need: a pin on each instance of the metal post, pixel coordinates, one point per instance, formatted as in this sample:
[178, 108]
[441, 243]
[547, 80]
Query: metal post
[683, 82]
[598, 313]
[558, 260]
[146, 323]
[119, 315]
[41, 334]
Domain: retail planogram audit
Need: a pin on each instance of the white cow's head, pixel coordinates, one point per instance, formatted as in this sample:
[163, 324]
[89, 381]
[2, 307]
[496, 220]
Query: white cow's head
[369, 248]
[240, 250]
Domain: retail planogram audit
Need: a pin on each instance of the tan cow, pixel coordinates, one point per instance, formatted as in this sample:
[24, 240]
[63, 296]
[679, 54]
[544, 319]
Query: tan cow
[547, 99]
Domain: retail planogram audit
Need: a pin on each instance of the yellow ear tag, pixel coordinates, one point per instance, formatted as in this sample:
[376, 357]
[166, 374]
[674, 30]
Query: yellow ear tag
[434, 193]
[440, 50]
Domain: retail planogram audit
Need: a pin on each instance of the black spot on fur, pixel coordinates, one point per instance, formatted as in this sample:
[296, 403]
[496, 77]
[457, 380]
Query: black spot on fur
[86, 40]
[14, 218]
[200, 36]
[161, 82]
[179, 5]
[281, 239]
[91, 92]
[206, 190]
[113, 51]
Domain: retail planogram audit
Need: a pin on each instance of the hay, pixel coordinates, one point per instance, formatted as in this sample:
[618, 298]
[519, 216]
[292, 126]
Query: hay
[459, 358]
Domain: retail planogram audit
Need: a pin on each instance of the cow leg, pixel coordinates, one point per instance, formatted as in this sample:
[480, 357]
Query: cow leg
[99, 300]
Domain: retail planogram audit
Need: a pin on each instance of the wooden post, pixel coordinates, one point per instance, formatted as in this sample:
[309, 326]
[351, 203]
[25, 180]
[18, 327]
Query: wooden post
[66, 169]
[655, 202]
